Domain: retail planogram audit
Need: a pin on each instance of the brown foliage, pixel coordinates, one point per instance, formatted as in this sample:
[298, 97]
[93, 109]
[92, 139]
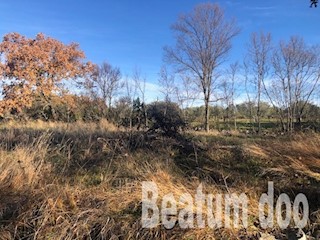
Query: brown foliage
[36, 67]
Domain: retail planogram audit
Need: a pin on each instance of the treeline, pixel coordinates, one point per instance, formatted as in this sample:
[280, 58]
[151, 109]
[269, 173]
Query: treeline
[243, 117]
[284, 74]
[277, 81]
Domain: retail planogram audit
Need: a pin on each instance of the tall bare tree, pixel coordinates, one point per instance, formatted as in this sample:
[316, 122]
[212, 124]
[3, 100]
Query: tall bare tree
[258, 61]
[250, 102]
[106, 82]
[229, 89]
[203, 40]
[296, 76]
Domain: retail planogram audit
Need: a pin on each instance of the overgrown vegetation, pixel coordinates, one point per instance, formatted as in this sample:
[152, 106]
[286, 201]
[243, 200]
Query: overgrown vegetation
[64, 181]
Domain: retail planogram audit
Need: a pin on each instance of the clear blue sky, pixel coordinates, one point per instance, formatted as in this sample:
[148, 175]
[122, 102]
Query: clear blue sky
[132, 33]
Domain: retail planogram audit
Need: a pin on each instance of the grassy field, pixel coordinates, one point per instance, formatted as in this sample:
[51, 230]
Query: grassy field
[83, 180]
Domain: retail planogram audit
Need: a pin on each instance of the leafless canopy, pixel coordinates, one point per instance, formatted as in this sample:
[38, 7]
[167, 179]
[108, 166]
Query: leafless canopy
[258, 63]
[106, 81]
[296, 76]
[203, 40]
[166, 81]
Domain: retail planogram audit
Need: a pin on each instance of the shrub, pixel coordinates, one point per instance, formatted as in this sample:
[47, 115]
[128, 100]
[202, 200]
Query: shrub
[166, 117]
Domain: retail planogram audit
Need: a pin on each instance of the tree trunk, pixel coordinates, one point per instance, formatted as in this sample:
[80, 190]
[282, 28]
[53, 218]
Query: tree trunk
[283, 125]
[207, 114]
[258, 107]
[130, 121]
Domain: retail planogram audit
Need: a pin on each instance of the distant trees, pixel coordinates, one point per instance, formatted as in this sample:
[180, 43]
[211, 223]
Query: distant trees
[140, 85]
[105, 82]
[230, 88]
[166, 81]
[33, 69]
[296, 76]
[258, 63]
[280, 81]
[203, 40]
[312, 113]
[287, 74]
[122, 112]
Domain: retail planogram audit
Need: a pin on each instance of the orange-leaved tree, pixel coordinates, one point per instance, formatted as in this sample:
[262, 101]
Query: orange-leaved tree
[34, 69]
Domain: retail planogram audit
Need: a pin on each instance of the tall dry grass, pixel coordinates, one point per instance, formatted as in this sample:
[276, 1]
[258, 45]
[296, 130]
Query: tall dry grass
[24, 165]
[78, 126]
[83, 180]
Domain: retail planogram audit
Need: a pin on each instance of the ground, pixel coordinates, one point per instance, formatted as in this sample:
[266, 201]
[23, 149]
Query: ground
[83, 180]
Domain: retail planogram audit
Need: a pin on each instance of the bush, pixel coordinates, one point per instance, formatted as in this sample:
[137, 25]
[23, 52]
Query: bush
[67, 108]
[166, 117]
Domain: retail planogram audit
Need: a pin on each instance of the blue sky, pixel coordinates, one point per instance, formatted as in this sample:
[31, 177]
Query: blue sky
[131, 34]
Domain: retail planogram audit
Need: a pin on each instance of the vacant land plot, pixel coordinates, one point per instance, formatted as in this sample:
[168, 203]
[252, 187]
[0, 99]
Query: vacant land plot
[83, 181]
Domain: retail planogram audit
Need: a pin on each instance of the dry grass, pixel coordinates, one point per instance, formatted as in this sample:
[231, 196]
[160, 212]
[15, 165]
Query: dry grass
[83, 180]
[298, 155]
[79, 126]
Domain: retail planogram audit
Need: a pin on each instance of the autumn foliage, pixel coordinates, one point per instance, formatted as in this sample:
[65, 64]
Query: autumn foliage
[35, 68]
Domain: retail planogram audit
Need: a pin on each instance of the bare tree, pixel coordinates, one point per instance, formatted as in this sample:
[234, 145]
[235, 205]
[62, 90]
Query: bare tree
[131, 92]
[140, 85]
[296, 76]
[106, 82]
[259, 65]
[250, 102]
[186, 91]
[229, 89]
[166, 81]
[203, 40]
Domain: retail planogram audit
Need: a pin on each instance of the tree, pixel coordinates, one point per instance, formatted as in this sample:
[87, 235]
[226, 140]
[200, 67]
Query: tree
[296, 76]
[140, 85]
[203, 40]
[250, 102]
[60, 108]
[230, 90]
[166, 81]
[123, 112]
[258, 58]
[138, 113]
[131, 91]
[186, 93]
[106, 82]
[88, 109]
[35, 68]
